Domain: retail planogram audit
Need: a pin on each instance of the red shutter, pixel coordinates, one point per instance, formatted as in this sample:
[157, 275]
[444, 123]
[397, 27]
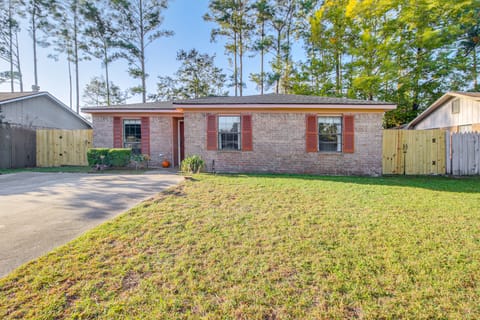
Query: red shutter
[348, 133]
[211, 132]
[312, 133]
[145, 132]
[247, 138]
[117, 132]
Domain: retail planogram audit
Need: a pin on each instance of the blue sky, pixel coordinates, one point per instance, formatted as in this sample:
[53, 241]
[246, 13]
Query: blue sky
[184, 17]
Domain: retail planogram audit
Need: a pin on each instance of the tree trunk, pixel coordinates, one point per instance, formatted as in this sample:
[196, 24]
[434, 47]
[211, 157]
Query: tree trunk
[70, 87]
[10, 44]
[475, 71]
[262, 57]
[76, 60]
[34, 37]
[19, 69]
[235, 68]
[240, 45]
[337, 72]
[279, 59]
[142, 53]
[107, 79]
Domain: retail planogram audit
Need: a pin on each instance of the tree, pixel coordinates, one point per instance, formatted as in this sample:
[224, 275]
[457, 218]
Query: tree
[263, 14]
[283, 25]
[38, 12]
[66, 38]
[9, 49]
[97, 94]
[330, 33]
[197, 77]
[100, 36]
[233, 20]
[139, 22]
[470, 41]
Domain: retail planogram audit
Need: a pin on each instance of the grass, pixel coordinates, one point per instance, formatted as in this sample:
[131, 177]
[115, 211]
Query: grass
[269, 247]
[73, 169]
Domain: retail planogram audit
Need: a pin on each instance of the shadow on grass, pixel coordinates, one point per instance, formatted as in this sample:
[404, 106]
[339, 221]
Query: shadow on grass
[436, 183]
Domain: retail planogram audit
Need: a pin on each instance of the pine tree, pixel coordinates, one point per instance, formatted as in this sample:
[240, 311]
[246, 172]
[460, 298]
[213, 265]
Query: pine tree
[140, 22]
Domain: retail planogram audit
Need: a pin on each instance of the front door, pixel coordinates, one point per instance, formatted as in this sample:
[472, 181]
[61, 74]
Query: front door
[181, 141]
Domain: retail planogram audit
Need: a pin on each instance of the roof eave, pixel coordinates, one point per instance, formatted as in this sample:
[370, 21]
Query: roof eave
[384, 107]
[118, 110]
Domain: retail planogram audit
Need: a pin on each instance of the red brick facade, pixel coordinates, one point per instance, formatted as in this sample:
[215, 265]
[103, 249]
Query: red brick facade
[280, 146]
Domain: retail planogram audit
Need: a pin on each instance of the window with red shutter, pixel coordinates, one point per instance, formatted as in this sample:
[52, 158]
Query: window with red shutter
[311, 135]
[349, 133]
[211, 132]
[247, 137]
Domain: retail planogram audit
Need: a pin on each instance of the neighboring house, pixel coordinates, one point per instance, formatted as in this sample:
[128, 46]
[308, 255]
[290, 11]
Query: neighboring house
[454, 111]
[38, 110]
[268, 133]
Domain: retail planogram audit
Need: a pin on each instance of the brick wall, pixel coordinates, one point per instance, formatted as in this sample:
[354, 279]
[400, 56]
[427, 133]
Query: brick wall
[161, 136]
[102, 131]
[161, 139]
[279, 147]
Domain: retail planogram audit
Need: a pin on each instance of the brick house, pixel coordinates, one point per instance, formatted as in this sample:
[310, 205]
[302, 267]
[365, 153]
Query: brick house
[269, 133]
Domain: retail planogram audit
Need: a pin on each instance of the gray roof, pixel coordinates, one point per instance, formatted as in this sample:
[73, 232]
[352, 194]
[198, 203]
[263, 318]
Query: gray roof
[279, 99]
[7, 96]
[157, 105]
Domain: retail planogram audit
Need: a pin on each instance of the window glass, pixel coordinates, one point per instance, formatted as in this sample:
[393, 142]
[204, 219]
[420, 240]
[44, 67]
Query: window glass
[456, 106]
[330, 134]
[229, 133]
[132, 135]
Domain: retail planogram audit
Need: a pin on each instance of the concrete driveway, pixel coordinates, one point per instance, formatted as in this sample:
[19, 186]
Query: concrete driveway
[40, 211]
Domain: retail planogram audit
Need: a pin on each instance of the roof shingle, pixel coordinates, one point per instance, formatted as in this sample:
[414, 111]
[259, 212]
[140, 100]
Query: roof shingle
[279, 99]
[6, 96]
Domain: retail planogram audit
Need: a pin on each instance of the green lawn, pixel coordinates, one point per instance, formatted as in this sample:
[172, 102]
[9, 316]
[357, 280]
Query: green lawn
[269, 247]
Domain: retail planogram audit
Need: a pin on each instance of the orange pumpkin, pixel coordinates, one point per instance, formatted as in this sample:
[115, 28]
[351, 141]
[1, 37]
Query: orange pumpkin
[166, 163]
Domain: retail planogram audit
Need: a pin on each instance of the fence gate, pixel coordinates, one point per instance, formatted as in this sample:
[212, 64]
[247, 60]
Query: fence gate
[63, 147]
[414, 152]
[463, 155]
[17, 147]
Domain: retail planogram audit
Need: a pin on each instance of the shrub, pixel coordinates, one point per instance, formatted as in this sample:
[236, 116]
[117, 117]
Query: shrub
[192, 164]
[94, 156]
[119, 157]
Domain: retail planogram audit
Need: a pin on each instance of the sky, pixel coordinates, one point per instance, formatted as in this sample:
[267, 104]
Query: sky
[184, 17]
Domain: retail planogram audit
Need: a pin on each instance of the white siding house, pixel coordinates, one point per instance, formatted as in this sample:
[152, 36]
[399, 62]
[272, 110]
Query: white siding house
[454, 111]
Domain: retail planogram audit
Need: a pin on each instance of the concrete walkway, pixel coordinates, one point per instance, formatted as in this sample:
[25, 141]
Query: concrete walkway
[40, 211]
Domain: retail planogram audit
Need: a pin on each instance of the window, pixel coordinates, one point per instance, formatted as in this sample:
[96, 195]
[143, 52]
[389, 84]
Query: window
[456, 106]
[330, 134]
[132, 135]
[229, 135]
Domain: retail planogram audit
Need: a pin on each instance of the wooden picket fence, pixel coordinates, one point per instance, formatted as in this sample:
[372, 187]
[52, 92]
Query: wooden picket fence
[463, 154]
[63, 147]
[414, 152]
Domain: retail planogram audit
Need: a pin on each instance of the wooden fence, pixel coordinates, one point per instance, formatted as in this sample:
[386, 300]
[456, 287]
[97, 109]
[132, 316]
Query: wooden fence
[63, 147]
[17, 147]
[463, 154]
[414, 152]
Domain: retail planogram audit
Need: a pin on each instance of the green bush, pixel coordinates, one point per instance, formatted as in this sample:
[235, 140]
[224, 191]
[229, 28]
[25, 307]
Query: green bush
[192, 164]
[119, 157]
[94, 156]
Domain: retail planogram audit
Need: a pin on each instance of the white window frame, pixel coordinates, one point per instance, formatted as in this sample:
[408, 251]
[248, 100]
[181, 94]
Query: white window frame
[339, 142]
[238, 133]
